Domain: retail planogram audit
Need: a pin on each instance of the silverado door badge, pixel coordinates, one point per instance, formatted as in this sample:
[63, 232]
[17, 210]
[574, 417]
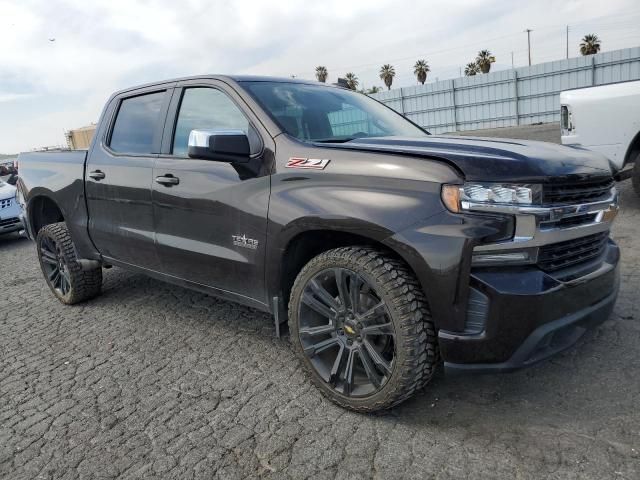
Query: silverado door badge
[315, 163]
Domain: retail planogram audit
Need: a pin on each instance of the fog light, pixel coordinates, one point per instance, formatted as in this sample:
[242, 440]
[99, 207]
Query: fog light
[489, 258]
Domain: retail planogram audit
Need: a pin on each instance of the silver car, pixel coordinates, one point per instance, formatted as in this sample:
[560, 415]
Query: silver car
[9, 209]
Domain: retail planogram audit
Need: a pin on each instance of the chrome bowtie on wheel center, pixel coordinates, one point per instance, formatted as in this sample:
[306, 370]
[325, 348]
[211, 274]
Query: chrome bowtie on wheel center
[346, 332]
[351, 327]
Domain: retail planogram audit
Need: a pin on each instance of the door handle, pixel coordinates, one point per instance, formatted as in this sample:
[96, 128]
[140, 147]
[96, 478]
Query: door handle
[97, 175]
[168, 180]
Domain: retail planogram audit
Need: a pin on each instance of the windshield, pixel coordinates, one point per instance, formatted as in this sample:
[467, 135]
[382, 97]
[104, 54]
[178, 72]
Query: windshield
[324, 114]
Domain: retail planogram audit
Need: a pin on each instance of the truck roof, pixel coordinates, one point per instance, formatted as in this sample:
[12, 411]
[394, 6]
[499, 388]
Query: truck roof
[227, 78]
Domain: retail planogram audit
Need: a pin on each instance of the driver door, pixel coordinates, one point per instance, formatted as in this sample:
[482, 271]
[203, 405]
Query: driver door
[211, 217]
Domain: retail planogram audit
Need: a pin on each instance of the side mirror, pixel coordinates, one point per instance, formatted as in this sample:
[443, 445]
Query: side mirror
[219, 145]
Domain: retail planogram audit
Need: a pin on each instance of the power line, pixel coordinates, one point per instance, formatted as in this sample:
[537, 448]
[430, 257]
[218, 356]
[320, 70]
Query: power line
[542, 44]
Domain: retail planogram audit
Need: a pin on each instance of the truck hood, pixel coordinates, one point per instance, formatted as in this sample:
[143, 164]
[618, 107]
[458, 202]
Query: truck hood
[6, 190]
[496, 160]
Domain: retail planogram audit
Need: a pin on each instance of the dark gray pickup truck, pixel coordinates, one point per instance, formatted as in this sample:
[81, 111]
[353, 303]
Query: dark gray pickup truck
[389, 251]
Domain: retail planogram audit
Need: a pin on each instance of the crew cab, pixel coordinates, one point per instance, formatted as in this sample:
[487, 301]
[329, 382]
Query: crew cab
[389, 251]
[606, 119]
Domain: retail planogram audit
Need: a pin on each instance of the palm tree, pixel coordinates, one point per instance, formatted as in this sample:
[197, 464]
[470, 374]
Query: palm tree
[484, 60]
[420, 69]
[471, 69]
[321, 73]
[386, 75]
[369, 91]
[590, 44]
[352, 80]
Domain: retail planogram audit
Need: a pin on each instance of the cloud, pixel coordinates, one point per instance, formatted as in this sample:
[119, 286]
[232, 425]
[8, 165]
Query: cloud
[11, 97]
[101, 46]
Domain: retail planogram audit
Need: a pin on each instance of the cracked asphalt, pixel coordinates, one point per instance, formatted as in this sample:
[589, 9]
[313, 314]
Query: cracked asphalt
[154, 381]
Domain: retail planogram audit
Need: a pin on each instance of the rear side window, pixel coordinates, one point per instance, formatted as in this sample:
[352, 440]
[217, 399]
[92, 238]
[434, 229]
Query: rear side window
[136, 123]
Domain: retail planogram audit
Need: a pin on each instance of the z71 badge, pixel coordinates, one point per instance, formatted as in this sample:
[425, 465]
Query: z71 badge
[316, 163]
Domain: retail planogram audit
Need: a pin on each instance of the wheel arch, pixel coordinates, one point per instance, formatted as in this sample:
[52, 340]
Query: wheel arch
[43, 210]
[633, 151]
[300, 248]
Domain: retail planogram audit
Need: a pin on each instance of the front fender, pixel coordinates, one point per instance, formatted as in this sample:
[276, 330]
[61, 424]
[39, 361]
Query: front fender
[439, 251]
[370, 207]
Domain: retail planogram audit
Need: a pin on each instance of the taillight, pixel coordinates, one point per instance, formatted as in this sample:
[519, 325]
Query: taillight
[566, 119]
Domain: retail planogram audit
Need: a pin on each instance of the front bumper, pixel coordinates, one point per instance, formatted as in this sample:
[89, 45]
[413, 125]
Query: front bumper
[531, 315]
[11, 219]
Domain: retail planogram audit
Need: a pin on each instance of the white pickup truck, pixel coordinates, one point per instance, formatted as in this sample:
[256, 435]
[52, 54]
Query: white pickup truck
[606, 119]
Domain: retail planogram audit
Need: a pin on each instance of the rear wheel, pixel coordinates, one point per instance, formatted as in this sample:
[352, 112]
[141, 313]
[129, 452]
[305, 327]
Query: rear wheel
[360, 324]
[62, 272]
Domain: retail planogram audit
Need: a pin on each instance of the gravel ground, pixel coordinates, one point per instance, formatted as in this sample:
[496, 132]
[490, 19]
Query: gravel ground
[154, 381]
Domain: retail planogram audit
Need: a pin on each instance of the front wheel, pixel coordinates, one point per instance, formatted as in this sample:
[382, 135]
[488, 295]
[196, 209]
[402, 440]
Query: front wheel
[361, 326]
[62, 272]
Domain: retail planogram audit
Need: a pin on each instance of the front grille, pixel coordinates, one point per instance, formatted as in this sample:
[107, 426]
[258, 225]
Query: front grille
[6, 203]
[572, 252]
[580, 192]
[568, 222]
[7, 222]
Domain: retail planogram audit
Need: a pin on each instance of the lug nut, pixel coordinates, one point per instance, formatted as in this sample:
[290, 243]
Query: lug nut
[349, 342]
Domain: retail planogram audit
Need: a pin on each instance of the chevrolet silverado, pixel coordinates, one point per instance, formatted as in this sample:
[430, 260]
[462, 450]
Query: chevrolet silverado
[389, 251]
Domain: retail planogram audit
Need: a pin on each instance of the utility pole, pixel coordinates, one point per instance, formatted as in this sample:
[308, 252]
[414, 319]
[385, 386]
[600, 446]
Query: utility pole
[528, 30]
[567, 41]
[511, 59]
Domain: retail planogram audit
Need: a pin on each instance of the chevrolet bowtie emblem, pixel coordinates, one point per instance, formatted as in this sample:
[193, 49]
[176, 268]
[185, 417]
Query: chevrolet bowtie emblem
[349, 330]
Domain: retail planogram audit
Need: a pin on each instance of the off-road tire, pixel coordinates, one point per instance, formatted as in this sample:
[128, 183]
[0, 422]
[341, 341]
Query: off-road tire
[416, 356]
[84, 284]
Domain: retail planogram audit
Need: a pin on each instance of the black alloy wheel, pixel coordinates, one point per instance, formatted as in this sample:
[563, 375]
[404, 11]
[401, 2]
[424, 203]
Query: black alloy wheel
[346, 332]
[362, 329]
[54, 267]
[67, 279]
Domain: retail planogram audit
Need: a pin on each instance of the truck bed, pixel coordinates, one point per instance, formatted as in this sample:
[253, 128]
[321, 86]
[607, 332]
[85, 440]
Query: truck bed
[59, 176]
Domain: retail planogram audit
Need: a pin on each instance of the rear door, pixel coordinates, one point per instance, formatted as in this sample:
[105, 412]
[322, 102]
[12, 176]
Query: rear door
[211, 223]
[119, 176]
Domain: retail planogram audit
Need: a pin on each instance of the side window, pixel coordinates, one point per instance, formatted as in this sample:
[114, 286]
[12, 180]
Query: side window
[207, 109]
[136, 123]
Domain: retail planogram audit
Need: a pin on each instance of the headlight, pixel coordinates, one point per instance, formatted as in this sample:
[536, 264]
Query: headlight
[463, 197]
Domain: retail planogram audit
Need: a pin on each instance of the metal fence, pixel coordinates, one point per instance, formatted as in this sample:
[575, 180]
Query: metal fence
[507, 98]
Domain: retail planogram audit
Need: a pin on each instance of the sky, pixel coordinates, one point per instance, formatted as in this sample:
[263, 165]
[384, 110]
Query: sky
[61, 59]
